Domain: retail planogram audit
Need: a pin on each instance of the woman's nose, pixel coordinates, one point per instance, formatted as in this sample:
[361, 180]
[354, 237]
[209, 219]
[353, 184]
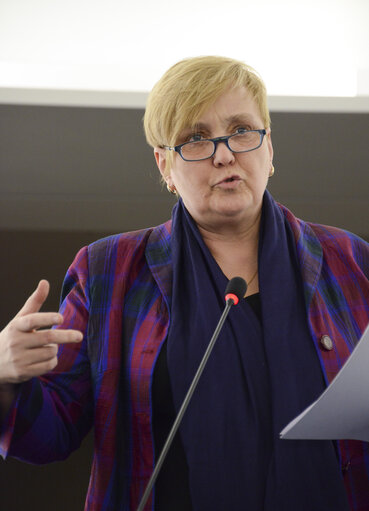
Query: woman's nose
[223, 155]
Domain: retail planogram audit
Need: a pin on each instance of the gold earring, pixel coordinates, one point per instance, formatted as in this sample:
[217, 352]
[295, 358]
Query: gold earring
[271, 173]
[171, 190]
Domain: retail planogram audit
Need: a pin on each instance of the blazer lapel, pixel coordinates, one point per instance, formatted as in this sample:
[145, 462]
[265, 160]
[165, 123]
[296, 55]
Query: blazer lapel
[310, 254]
[159, 259]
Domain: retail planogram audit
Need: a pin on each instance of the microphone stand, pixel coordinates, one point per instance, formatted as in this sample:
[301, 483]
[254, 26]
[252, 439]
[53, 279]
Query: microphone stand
[185, 404]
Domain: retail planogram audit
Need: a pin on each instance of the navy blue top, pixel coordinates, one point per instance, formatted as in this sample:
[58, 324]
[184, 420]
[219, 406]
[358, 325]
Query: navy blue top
[172, 487]
[259, 377]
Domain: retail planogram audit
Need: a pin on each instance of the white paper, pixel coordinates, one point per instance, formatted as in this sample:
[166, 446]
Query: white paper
[342, 411]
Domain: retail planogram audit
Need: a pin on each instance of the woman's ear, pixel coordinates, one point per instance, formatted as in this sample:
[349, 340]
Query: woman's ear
[269, 143]
[161, 160]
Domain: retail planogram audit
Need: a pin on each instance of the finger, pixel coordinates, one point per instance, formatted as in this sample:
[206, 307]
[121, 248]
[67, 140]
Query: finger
[37, 320]
[40, 354]
[38, 339]
[34, 370]
[35, 356]
[20, 366]
[36, 300]
[58, 336]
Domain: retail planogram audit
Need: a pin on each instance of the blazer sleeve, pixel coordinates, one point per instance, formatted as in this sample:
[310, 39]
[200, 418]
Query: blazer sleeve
[360, 250]
[52, 414]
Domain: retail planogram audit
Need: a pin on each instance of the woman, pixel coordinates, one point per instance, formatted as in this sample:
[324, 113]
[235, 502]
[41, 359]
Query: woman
[148, 301]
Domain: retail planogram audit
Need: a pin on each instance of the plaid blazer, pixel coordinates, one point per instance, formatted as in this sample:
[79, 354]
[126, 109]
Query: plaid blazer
[118, 292]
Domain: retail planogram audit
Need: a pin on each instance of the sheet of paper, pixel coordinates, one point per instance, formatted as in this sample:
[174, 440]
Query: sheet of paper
[342, 411]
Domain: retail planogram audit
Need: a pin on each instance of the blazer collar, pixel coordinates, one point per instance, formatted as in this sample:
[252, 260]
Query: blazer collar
[309, 251]
[159, 258]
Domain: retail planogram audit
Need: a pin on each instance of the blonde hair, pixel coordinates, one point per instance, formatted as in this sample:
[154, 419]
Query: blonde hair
[188, 89]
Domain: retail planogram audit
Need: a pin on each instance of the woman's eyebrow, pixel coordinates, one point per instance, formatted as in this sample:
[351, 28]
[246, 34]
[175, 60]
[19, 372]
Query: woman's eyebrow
[200, 126]
[233, 119]
[229, 121]
[239, 118]
[196, 128]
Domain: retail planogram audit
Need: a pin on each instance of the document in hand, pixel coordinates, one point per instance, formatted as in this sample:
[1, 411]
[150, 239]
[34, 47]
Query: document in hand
[342, 411]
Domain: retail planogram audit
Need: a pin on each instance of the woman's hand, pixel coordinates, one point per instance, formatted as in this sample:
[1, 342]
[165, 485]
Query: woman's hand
[26, 351]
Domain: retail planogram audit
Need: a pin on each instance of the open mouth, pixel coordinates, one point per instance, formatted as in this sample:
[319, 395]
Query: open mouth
[230, 179]
[229, 182]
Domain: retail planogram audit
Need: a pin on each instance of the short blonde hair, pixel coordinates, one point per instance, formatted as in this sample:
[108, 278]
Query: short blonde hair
[188, 89]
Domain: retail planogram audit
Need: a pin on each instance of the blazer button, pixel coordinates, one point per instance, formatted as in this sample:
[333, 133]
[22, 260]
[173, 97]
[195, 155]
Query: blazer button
[326, 342]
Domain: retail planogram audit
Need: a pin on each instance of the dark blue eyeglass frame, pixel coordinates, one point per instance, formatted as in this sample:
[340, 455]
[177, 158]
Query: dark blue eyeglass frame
[216, 141]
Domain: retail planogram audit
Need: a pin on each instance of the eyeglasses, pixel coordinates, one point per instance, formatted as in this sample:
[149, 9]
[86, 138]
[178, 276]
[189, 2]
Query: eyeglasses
[242, 142]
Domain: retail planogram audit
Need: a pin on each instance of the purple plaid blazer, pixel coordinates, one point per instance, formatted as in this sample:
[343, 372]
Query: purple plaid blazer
[118, 293]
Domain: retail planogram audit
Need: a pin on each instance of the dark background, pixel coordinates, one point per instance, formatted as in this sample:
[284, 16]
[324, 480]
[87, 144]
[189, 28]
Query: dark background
[71, 175]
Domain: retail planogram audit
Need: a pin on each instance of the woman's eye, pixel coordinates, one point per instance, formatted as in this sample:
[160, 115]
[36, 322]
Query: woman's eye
[242, 130]
[195, 137]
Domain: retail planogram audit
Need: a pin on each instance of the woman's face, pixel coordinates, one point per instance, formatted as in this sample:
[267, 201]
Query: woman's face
[228, 188]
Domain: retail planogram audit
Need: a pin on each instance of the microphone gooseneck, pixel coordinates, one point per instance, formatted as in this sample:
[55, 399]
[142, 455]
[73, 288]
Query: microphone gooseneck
[235, 291]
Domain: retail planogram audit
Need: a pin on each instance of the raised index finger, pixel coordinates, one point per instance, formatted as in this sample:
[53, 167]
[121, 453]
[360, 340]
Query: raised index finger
[36, 300]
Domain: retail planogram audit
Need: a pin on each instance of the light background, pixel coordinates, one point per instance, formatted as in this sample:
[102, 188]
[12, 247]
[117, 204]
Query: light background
[303, 48]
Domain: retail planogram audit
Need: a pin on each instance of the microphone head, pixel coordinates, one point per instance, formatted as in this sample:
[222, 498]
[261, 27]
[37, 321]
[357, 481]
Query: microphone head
[236, 289]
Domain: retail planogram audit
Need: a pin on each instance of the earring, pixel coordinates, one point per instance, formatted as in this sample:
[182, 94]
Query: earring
[271, 173]
[173, 191]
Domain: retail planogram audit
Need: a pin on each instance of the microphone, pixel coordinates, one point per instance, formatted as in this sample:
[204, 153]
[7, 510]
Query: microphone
[235, 291]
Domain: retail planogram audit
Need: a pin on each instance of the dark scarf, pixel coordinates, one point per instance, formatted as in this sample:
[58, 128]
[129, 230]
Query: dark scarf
[258, 378]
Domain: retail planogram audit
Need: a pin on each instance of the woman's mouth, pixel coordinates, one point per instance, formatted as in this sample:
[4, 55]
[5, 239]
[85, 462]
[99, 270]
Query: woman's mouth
[229, 182]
